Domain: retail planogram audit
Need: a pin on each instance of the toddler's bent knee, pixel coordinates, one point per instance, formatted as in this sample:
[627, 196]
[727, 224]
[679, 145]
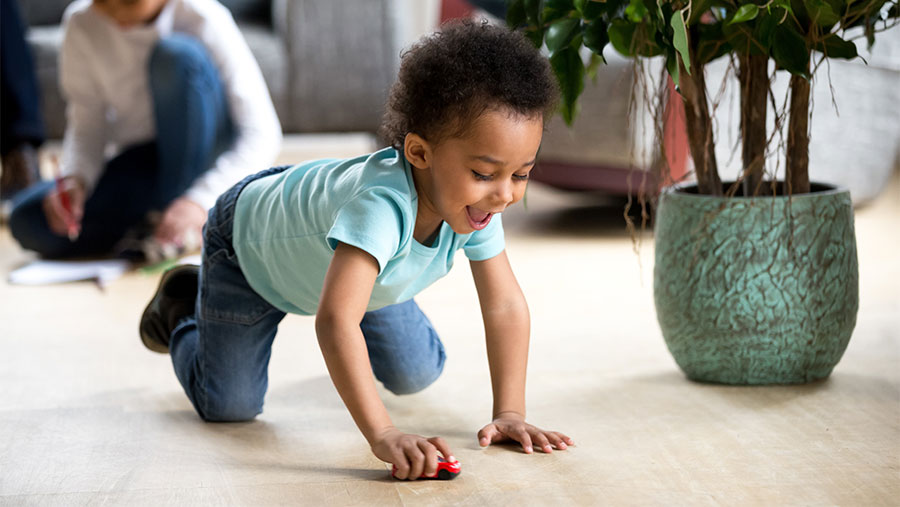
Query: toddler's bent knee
[231, 412]
[412, 382]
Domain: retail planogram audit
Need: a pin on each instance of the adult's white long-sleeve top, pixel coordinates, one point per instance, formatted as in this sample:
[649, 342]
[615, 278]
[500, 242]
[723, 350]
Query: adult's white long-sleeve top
[104, 78]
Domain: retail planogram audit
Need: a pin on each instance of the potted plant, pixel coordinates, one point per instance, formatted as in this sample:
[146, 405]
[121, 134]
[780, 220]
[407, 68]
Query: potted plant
[755, 279]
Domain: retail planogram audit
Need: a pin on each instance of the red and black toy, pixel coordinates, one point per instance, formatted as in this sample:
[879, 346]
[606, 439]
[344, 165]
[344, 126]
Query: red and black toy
[446, 470]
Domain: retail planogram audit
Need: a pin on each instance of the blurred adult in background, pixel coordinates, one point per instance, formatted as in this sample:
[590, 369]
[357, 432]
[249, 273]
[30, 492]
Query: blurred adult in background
[171, 89]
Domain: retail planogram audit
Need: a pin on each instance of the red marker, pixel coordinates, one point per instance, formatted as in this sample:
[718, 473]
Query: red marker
[446, 470]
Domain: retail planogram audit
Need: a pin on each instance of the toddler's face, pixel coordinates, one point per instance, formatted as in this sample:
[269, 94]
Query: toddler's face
[470, 179]
[128, 13]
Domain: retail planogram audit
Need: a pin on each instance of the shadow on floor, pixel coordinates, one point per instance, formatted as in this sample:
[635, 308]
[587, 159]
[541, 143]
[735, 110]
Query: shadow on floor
[674, 388]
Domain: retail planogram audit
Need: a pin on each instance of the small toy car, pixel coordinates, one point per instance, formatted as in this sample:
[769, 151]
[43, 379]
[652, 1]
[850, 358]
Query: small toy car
[446, 470]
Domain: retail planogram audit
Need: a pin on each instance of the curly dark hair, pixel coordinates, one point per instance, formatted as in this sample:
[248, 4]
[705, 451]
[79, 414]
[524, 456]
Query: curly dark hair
[450, 78]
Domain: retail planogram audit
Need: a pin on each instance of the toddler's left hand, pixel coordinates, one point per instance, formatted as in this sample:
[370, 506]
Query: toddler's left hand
[512, 426]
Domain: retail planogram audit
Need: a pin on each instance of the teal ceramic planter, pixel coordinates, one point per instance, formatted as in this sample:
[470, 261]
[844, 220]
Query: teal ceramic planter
[760, 290]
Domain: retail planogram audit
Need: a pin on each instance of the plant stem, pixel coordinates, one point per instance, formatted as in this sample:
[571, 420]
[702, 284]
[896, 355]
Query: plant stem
[699, 128]
[754, 76]
[797, 157]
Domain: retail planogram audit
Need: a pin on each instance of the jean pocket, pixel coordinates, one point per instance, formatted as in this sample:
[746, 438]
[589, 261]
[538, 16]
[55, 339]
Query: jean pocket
[226, 296]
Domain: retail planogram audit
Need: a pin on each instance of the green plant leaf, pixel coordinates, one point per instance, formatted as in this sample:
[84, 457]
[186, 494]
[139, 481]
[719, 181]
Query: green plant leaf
[789, 50]
[631, 39]
[591, 9]
[595, 36]
[577, 41]
[836, 47]
[680, 40]
[784, 4]
[579, 6]
[569, 70]
[745, 13]
[765, 31]
[821, 12]
[594, 65]
[560, 34]
[559, 5]
[556, 9]
[672, 67]
[515, 14]
[533, 12]
[536, 36]
[621, 35]
[636, 11]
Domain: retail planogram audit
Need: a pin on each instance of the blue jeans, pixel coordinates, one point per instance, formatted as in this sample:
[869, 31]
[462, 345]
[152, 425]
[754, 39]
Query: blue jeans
[193, 127]
[221, 354]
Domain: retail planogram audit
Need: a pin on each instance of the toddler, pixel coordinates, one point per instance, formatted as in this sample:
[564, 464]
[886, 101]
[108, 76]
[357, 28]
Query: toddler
[352, 241]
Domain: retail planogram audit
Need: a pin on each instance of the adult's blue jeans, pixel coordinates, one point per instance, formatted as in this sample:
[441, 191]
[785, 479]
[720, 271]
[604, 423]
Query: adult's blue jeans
[221, 353]
[193, 127]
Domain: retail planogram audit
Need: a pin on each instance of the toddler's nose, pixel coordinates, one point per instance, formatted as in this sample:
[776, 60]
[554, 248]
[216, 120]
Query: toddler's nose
[503, 196]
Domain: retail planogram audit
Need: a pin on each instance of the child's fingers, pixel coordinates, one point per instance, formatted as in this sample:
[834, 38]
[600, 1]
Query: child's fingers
[430, 463]
[442, 447]
[487, 434]
[542, 442]
[564, 438]
[555, 440]
[402, 464]
[521, 435]
[416, 461]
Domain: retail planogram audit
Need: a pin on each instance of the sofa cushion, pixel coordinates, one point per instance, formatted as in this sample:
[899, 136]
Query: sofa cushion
[44, 42]
[271, 54]
[259, 11]
[43, 12]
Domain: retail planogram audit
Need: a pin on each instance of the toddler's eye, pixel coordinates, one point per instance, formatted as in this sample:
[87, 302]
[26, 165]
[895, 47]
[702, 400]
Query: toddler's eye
[481, 177]
[521, 177]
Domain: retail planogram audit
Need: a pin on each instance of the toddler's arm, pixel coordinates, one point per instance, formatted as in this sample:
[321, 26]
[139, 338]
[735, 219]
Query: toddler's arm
[507, 328]
[345, 296]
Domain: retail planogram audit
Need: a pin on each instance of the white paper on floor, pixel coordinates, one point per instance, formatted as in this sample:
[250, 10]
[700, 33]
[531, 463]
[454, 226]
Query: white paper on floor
[47, 272]
[190, 259]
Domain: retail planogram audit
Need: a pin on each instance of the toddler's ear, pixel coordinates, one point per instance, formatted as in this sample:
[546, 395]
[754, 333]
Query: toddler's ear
[417, 151]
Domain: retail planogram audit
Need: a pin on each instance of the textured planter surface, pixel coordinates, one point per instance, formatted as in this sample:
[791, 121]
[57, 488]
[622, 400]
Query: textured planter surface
[756, 290]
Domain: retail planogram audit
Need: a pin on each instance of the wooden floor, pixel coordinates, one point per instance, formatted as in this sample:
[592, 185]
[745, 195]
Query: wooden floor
[89, 417]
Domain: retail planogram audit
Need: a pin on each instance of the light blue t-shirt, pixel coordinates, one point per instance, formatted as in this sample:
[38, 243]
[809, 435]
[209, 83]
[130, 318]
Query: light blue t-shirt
[287, 225]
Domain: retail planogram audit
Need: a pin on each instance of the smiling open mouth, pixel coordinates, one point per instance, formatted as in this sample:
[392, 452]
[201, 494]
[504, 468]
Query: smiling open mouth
[478, 219]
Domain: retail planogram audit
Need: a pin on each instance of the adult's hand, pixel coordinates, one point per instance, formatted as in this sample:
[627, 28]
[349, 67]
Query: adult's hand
[58, 218]
[183, 219]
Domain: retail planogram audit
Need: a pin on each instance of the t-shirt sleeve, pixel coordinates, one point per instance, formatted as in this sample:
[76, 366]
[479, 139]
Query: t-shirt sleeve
[372, 222]
[486, 243]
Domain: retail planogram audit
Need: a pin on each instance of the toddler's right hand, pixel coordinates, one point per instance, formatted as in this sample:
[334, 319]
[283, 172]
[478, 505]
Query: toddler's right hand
[413, 455]
[54, 211]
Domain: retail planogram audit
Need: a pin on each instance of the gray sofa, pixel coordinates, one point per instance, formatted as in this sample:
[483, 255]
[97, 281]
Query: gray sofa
[328, 63]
